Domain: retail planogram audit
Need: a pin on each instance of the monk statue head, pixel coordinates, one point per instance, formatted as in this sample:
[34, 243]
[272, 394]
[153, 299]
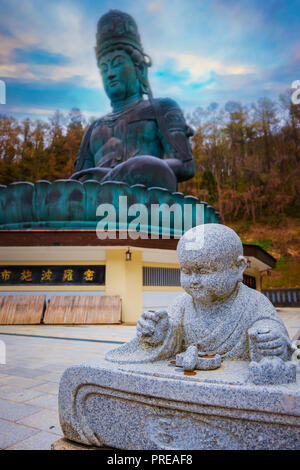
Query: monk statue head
[120, 57]
[213, 264]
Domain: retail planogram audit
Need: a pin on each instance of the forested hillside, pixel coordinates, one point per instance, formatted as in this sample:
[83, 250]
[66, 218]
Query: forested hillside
[248, 159]
[39, 150]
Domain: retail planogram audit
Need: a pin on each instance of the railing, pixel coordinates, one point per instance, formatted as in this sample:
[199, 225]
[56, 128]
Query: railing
[283, 297]
[161, 276]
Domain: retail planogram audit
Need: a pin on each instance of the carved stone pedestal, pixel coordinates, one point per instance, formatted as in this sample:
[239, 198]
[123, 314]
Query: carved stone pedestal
[156, 406]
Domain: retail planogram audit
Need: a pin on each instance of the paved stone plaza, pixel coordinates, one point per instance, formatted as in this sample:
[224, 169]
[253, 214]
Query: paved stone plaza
[29, 380]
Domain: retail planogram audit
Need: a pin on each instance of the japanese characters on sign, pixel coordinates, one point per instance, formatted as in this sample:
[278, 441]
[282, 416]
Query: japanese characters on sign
[53, 275]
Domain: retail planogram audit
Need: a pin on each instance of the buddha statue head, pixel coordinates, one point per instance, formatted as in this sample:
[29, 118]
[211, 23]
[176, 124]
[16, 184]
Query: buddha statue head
[120, 57]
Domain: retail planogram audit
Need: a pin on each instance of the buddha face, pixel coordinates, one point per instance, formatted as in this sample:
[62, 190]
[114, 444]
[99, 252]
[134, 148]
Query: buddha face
[119, 76]
[210, 282]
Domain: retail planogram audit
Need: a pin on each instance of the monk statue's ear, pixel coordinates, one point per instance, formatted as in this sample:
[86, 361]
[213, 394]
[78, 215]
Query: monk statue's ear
[242, 265]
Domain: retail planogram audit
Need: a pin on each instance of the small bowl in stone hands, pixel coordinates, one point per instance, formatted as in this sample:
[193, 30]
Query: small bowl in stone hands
[208, 361]
[192, 359]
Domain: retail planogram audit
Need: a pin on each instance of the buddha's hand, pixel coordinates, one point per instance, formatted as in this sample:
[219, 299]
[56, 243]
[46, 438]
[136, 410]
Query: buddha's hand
[112, 153]
[152, 326]
[269, 341]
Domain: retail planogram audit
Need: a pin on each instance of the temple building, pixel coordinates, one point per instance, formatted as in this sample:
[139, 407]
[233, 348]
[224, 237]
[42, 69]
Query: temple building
[142, 273]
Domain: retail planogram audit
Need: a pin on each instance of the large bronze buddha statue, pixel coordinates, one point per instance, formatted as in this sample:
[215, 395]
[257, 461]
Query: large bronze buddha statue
[143, 140]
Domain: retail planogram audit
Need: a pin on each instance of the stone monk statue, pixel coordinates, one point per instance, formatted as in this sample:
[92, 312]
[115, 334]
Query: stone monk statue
[217, 312]
[142, 141]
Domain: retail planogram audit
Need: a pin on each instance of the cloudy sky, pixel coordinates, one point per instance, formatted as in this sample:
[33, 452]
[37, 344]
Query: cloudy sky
[203, 51]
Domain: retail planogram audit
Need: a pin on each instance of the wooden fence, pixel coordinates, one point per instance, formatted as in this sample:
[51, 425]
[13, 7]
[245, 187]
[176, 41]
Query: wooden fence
[78, 309]
[32, 309]
[21, 309]
[283, 297]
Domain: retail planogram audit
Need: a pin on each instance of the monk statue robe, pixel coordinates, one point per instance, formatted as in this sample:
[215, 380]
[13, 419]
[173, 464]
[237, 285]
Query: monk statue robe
[229, 337]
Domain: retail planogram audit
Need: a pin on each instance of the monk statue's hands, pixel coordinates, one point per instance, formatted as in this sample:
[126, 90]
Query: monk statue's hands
[269, 342]
[152, 326]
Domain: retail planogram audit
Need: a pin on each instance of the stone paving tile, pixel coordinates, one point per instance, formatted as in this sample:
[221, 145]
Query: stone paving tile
[113, 332]
[52, 377]
[44, 420]
[20, 395]
[48, 387]
[56, 370]
[12, 411]
[35, 383]
[50, 402]
[3, 377]
[22, 382]
[17, 381]
[4, 369]
[40, 441]
[25, 372]
[11, 433]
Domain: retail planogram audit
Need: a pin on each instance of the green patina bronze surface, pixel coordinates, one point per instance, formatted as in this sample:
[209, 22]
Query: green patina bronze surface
[68, 204]
[142, 141]
[140, 150]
